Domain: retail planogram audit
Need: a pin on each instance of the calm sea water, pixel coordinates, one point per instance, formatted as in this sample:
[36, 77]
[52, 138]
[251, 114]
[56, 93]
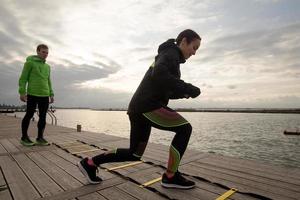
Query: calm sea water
[256, 136]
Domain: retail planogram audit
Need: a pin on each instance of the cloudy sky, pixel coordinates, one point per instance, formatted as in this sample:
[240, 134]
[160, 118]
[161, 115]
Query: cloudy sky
[100, 50]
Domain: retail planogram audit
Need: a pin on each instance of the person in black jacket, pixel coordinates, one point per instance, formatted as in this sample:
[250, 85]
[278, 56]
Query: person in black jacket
[148, 108]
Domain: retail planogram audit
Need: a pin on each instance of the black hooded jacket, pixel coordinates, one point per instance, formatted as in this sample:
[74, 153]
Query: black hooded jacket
[162, 81]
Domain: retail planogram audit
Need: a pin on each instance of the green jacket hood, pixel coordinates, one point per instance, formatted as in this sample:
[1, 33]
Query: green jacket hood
[35, 58]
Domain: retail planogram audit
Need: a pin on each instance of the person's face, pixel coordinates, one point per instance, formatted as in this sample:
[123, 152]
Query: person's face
[189, 49]
[42, 53]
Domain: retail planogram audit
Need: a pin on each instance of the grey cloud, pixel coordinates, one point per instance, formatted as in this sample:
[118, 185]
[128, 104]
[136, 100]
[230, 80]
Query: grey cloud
[231, 87]
[63, 79]
[10, 23]
[93, 98]
[148, 58]
[258, 45]
[139, 49]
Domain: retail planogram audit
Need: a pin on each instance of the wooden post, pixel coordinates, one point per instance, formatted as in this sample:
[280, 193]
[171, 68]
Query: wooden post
[78, 128]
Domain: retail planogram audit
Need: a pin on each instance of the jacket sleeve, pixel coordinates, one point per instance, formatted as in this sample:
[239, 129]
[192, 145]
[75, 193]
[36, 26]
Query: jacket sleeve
[50, 85]
[161, 75]
[24, 78]
[163, 79]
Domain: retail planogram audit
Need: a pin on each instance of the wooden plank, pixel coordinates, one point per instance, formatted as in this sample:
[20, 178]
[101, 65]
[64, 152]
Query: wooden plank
[24, 149]
[252, 166]
[4, 190]
[113, 193]
[146, 175]
[62, 178]
[192, 194]
[69, 157]
[234, 182]
[66, 165]
[5, 195]
[138, 192]
[162, 158]
[42, 182]
[92, 196]
[192, 157]
[152, 173]
[9, 146]
[84, 190]
[249, 175]
[21, 188]
[2, 149]
[218, 190]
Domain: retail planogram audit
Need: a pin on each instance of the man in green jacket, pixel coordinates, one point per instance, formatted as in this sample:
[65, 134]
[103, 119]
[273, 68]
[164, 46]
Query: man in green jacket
[35, 89]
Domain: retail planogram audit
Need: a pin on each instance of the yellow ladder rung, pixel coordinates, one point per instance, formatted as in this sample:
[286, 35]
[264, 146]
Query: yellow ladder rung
[227, 194]
[123, 166]
[151, 182]
[90, 150]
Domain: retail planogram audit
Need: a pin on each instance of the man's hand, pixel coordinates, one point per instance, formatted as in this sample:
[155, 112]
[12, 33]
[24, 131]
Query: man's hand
[51, 99]
[23, 97]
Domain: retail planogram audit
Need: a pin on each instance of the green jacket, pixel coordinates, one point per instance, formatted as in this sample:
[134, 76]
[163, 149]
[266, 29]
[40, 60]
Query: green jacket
[36, 74]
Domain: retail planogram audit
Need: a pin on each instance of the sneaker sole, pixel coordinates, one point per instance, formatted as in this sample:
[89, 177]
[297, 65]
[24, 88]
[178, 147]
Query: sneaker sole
[40, 144]
[166, 185]
[27, 145]
[86, 174]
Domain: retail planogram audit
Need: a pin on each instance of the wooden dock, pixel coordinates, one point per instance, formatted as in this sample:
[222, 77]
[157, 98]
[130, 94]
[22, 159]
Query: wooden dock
[51, 173]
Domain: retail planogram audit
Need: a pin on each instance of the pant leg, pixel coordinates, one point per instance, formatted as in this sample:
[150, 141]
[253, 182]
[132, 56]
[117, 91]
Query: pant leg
[30, 109]
[167, 119]
[43, 105]
[139, 136]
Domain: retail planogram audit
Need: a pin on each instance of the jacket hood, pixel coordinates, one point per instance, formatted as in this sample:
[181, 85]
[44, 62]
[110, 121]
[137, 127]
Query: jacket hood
[35, 58]
[170, 44]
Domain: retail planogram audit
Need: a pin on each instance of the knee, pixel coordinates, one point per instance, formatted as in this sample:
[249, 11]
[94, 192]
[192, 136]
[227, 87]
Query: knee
[188, 128]
[128, 154]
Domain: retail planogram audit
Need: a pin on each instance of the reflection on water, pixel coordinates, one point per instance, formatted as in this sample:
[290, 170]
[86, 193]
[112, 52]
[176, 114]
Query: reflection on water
[247, 135]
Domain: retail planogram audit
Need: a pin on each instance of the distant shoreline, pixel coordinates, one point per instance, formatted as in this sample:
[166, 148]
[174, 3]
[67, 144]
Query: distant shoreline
[220, 110]
[227, 110]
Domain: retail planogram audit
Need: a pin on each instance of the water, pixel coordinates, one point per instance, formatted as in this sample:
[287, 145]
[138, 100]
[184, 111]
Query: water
[256, 136]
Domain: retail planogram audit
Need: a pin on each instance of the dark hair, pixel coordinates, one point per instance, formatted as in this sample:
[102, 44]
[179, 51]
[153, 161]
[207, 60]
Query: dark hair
[41, 46]
[189, 34]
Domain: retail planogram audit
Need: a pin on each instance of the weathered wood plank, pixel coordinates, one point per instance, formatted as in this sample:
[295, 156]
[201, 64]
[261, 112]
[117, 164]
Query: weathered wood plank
[202, 185]
[254, 176]
[9, 146]
[66, 165]
[191, 194]
[4, 191]
[41, 181]
[5, 195]
[84, 190]
[2, 149]
[252, 165]
[241, 184]
[92, 196]
[113, 193]
[62, 178]
[103, 174]
[138, 192]
[21, 188]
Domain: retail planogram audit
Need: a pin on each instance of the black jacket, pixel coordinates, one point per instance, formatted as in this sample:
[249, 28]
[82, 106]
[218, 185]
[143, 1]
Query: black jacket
[162, 81]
